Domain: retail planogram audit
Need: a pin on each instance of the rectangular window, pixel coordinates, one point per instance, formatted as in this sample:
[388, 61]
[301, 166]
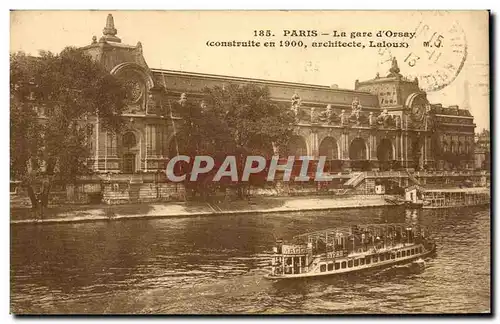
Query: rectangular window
[398, 255]
[382, 257]
[160, 149]
[368, 259]
[151, 139]
[356, 262]
[344, 264]
[375, 258]
[337, 265]
[322, 268]
[330, 266]
[403, 254]
[362, 261]
[393, 255]
[349, 263]
[110, 144]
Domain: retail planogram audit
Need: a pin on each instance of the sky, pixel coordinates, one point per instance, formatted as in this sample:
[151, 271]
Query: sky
[177, 40]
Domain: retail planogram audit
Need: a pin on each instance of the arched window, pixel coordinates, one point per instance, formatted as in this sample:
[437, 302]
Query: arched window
[384, 150]
[328, 148]
[110, 144]
[357, 150]
[129, 140]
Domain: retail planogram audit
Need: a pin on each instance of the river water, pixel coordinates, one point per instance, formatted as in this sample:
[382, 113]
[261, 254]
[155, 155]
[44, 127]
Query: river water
[207, 265]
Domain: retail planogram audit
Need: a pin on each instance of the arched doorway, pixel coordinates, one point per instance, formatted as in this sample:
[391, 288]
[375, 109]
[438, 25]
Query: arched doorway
[385, 154]
[357, 149]
[329, 148]
[358, 154]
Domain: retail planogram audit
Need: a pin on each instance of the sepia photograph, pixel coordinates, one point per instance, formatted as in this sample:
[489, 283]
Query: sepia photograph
[231, 162]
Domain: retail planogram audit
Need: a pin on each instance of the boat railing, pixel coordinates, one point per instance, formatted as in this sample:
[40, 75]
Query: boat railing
[349, 230]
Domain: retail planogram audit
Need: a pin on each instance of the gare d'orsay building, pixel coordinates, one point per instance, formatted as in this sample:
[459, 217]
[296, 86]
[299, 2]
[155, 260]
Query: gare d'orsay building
[386, 121]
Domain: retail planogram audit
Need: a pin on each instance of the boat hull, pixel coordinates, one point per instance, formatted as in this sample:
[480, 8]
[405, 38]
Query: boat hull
[372, 266]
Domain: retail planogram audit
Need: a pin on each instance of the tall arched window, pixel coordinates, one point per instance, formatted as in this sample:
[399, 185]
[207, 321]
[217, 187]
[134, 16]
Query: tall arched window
[110, 144]
[129, 140]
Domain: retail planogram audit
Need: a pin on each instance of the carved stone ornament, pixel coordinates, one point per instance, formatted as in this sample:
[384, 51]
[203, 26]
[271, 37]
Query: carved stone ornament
[314, 116]
[134, 90]
[343, 118]
[183, 99]
[371, 119]
[296, 101]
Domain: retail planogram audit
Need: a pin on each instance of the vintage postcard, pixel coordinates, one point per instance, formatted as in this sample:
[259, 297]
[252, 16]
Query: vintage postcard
[250, 162]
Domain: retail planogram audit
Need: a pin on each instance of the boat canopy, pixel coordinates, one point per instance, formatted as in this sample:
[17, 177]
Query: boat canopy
[357, 230]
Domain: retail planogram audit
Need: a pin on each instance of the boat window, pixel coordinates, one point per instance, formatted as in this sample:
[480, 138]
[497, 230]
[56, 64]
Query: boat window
[349, 263]
[344, 264]
[375, 258]
[330, 266]
[382, 256]
[356, 262]
[420, 250]
[322, 268]
[337, 265]
[412, 251]
[403, 253]
[362, 261]
[393, 255]
[398, 255]
[368, 259]
[388, 255]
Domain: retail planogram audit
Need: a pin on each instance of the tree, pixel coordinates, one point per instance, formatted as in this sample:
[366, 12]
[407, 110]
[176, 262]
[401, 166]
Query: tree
[52, 97]
[238, 120]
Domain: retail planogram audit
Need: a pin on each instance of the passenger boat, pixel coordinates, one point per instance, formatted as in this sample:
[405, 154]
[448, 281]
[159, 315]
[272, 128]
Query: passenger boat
[344, 250]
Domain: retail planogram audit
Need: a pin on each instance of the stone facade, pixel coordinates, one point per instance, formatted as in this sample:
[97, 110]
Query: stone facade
[384, 123]
[387, 121]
